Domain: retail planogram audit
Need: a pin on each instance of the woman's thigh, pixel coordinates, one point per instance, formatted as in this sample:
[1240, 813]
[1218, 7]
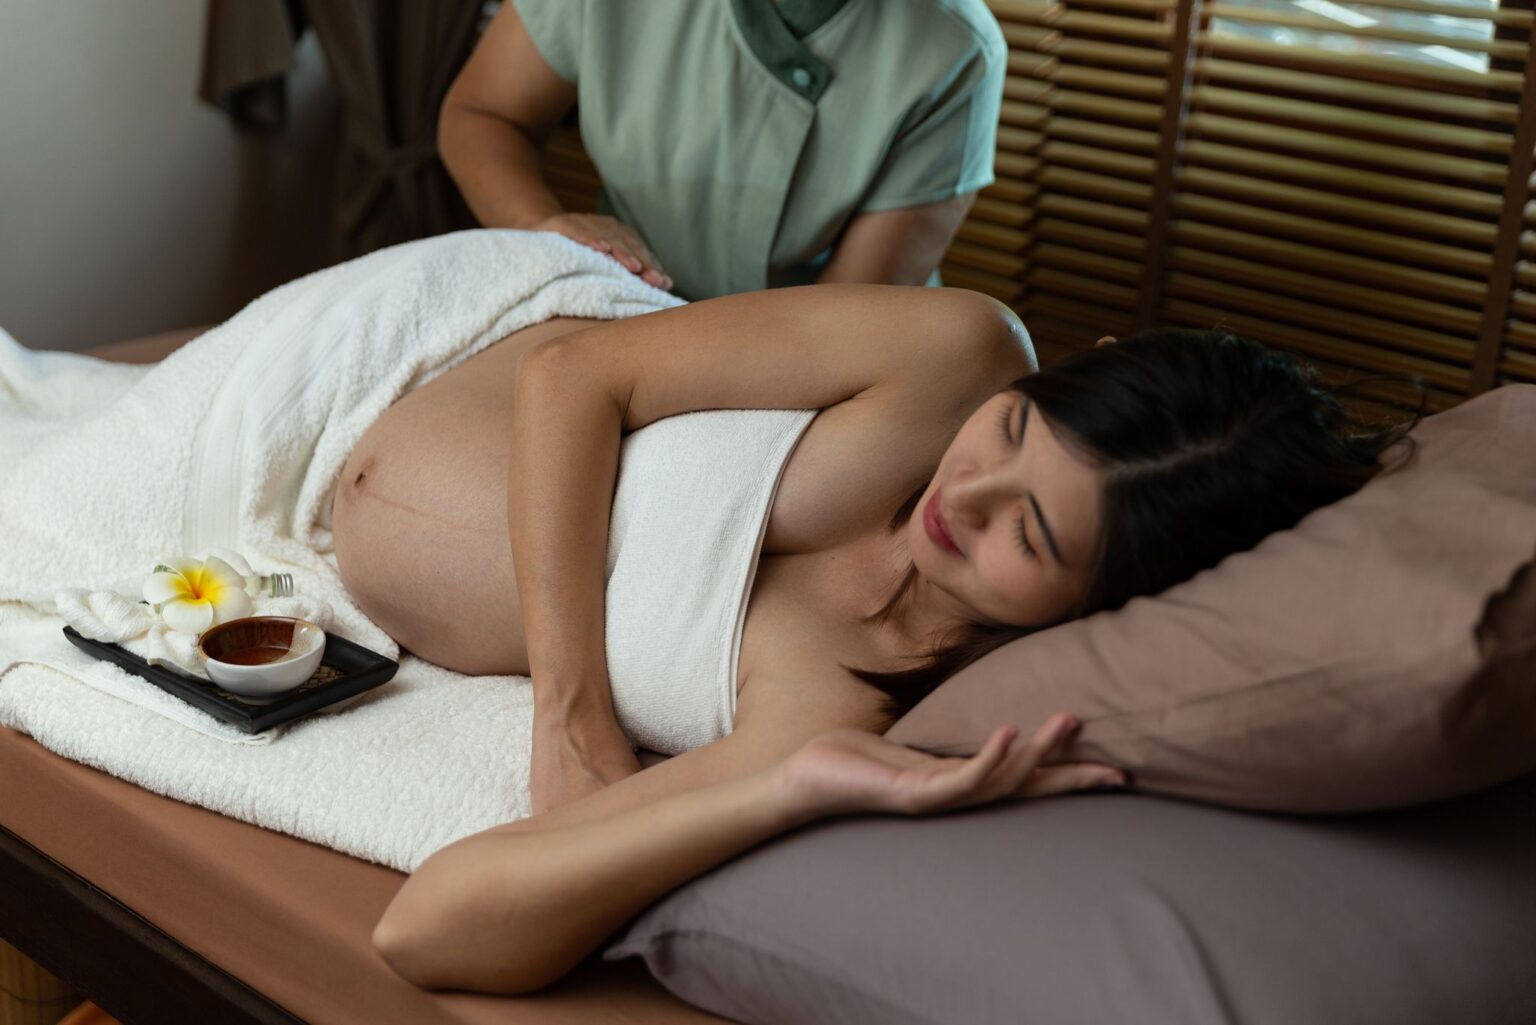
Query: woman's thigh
[419, 520]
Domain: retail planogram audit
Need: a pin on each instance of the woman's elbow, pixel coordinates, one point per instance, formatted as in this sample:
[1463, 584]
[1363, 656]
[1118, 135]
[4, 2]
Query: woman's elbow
[436, 963]
[457, 924]
[401, 951]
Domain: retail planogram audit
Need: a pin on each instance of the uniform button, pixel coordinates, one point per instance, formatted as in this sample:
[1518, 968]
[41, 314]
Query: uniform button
[801, 78]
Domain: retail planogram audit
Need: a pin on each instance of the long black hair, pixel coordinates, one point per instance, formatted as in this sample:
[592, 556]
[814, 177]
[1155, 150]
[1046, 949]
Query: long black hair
[1208, 442]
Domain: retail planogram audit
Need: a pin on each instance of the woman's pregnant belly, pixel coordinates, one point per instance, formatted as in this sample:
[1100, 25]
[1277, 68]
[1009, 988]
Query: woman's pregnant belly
[420, 517]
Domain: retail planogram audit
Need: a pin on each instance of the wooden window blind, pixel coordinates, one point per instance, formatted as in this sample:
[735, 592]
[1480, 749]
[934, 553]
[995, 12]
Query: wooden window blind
[1350, 181]
[569, 171]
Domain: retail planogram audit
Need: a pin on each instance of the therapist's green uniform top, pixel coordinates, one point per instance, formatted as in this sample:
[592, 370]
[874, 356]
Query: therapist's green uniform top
[739, 136]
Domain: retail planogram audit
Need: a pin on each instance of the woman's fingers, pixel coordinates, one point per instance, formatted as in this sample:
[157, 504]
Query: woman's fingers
[1025, 755]
[963, 781]
[1069, 776]
[1026, 777]
[999, 769]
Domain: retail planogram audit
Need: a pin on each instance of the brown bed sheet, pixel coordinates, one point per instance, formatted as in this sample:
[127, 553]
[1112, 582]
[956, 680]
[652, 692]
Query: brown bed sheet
[289, 918]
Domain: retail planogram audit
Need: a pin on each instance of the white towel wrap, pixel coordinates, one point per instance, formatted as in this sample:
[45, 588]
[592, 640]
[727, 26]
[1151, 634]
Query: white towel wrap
[689, 515]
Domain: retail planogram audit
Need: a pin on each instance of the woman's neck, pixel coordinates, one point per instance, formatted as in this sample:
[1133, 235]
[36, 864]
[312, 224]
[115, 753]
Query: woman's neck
[924, 615]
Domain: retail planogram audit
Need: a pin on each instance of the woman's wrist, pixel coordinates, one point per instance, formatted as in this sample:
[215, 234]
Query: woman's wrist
[573, 686]
[782, 798]
[575, 706]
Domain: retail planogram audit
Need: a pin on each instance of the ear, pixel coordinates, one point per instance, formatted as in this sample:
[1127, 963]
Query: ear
[1106, 340]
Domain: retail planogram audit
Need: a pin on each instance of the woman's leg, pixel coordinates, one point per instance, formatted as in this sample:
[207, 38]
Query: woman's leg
[148, 349]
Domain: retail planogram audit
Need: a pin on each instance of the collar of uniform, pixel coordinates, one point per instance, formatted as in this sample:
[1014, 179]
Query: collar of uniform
[771, 30]
[806, 16]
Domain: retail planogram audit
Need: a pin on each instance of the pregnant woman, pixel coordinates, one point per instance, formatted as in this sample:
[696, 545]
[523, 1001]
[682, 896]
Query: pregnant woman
[941, 500]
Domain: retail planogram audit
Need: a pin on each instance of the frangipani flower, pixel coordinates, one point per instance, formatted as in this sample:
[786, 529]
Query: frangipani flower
[193, 595]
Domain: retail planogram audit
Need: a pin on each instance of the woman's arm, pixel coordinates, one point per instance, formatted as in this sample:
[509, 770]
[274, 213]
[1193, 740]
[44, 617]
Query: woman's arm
[513, 909]
[495, 119]
[896, 247]
[805, 348]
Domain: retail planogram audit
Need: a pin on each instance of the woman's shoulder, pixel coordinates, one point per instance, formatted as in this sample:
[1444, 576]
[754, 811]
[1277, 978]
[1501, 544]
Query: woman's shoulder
[860, 459]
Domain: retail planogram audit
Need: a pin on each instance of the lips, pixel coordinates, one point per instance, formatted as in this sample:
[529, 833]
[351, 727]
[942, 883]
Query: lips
[934, 525]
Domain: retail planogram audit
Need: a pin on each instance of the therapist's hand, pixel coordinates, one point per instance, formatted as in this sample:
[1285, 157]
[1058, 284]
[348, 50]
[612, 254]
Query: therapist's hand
[576, 756]
[611, 236]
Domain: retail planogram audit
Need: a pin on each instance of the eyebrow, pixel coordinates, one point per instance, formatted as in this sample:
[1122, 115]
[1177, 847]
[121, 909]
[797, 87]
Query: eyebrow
[1045, 528]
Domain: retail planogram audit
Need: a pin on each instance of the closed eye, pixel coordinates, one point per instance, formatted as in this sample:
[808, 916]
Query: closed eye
[1029, 549]
[1007, 427]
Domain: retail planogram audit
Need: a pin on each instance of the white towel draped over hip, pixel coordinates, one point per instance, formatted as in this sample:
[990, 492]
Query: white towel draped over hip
[237, 440]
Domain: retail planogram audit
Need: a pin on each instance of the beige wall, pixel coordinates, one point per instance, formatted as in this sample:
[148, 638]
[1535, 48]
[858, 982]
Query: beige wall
[128, 206]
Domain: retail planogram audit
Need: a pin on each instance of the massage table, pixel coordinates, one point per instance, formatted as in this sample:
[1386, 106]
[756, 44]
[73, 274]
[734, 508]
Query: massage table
[164, 912]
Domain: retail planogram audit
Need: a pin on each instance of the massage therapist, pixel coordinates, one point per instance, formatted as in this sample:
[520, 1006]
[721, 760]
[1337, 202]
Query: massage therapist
[742, 144]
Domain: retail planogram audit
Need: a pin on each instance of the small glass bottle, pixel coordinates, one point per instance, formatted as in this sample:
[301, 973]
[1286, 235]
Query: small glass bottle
[266, 585]
[270, 585]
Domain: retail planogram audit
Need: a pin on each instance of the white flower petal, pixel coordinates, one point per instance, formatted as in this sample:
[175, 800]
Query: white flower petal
[188, 615]
[218, 573]
[165, 587]
[232, 558]
[183, 565]
[229, 603]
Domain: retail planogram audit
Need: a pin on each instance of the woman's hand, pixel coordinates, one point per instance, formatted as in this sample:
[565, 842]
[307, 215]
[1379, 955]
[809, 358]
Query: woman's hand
[849, 771]
[573, 757]
[611, 236]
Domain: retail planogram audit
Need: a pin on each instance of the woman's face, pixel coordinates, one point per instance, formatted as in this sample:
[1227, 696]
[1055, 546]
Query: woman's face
[1008, 526]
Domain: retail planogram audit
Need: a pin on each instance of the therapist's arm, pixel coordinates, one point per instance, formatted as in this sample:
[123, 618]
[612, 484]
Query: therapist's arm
[494, 122]
[896, 247]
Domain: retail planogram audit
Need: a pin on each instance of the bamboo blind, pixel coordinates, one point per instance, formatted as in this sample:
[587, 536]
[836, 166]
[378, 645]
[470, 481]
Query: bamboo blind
[569, 170]
[1370, 212]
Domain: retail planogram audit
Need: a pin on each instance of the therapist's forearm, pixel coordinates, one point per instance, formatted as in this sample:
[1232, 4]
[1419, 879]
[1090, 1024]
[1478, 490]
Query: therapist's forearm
[497, 166]
[895, 247]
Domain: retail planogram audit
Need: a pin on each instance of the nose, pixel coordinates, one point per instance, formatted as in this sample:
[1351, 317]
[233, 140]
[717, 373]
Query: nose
[975, 496]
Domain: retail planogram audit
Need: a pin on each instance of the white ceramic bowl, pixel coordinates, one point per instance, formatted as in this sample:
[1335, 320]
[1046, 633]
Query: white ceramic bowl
[304, 641]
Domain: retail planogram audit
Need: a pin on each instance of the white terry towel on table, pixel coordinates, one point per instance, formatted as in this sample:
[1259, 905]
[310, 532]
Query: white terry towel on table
[237, 440]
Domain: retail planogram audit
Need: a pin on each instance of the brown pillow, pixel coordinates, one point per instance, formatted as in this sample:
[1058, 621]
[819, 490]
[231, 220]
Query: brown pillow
[1356, 661]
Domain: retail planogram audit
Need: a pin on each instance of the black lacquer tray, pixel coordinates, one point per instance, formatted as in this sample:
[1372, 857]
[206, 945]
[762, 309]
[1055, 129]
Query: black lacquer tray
[346, 669]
